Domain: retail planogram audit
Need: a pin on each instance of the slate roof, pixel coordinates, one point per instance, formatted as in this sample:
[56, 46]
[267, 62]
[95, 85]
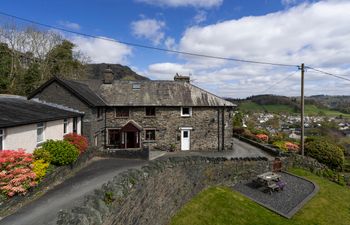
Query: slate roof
[151, 93]
[80, 90]
[154, 93]
[16, 110]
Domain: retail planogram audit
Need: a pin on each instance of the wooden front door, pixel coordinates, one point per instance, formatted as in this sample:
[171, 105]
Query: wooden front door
[132, 139]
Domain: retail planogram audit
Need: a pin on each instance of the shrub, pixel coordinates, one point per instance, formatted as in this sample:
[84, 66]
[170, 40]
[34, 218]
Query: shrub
[280, 145]
[16, 172]
[262, 137]
[41, 153]
[292, 147]
[62, 152]
[40, 168]
[326, 153]
[80, 142]
[238, 130]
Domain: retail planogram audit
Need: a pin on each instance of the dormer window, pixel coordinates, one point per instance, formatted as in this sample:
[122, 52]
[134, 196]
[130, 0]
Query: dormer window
[186, 111]
[136, 86]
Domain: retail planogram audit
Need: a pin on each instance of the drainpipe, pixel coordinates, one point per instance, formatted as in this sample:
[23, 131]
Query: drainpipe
[105, 129]
[223, 128]
[218, 129]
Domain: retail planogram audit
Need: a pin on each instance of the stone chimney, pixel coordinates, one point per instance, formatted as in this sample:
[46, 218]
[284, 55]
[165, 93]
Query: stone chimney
[178, 77]
[108, 76]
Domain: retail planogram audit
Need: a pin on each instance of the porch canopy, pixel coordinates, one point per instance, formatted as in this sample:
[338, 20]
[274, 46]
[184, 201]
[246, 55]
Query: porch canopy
[131, 126]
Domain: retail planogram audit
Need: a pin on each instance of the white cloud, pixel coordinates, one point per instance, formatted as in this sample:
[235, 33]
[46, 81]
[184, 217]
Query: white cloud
[184, 3]
[150, 29]
[200, 17]
[312, 33]
[170, 43]
[166, 71]
[316, 34]
[69, 25]
[288, 2]
[102, 51]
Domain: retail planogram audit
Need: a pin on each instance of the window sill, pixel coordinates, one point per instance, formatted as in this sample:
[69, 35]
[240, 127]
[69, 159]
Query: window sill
[186, 115]
[150, 116]
[149, 141]
[38, 144]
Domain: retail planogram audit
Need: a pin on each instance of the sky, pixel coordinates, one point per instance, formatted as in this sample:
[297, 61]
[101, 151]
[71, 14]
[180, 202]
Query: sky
[291, 32]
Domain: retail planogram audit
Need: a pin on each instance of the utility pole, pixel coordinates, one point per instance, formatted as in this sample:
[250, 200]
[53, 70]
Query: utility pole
[302, 110]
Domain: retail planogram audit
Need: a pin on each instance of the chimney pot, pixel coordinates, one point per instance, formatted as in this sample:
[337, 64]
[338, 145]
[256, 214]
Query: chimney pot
[108, 76]
[178, 77]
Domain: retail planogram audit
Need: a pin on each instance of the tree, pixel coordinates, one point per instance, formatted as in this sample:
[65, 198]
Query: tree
[237, 120]
[29, 57]
[62, 62]
[30, 79]
[5, 67]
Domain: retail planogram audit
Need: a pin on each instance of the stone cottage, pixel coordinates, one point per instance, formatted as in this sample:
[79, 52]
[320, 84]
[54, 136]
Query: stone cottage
[166, 115]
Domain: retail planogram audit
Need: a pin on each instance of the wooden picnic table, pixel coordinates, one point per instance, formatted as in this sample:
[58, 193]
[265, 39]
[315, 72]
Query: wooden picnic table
[271, 181]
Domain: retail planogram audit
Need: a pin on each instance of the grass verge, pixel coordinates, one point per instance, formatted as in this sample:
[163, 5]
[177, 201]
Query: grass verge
[222, 206]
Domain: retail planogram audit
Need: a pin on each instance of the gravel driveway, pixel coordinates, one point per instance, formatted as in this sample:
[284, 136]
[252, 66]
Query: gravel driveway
[65, 195]
[287, 202]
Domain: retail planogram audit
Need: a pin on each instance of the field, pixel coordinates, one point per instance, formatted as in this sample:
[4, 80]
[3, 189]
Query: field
[310, 110]
[222, 206]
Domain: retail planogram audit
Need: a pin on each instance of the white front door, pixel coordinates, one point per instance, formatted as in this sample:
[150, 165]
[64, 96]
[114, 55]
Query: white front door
[185, 139]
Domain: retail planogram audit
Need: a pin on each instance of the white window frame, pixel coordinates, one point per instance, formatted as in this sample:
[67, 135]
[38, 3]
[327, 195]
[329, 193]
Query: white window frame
[155, 134]
[2, 135]
[186, 115]
[39, 126]
[65, 126]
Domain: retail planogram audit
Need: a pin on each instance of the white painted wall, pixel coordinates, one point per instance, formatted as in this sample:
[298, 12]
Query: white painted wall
[25, 136]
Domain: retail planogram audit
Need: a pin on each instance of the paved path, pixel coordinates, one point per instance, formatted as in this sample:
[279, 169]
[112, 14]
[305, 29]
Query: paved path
[65, 195]
[240, 150]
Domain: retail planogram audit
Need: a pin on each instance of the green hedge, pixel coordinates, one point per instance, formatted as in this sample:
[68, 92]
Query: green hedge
[325, 152]
[62, 152]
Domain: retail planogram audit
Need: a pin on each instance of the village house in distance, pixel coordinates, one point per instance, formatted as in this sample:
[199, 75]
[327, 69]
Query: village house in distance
[26, 124]
[165, 115]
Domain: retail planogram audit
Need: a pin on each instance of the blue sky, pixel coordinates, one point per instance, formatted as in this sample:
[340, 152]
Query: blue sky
[283, 31]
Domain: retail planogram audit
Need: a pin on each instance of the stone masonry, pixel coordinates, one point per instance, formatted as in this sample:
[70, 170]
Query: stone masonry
[168, 121]
[153, 194]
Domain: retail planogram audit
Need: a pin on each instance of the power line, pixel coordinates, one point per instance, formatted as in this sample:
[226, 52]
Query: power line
[329, 74]
[280, 81]
[147, 46]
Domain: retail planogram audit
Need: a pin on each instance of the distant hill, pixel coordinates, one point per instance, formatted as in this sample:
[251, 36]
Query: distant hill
[95, 71]
[314, 105]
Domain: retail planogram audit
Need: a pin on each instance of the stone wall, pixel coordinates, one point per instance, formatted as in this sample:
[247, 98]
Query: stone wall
[91, 126]
[168, 121]
[153, 194]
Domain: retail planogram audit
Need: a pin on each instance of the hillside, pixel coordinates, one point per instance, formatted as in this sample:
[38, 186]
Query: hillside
[95, 71]
[314, 105]
[311, 110]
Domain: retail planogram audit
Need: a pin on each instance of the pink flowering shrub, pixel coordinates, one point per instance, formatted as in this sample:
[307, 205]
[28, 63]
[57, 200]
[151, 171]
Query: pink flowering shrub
[262, 137]
[79, 141]
[292, 147]
[16, 172]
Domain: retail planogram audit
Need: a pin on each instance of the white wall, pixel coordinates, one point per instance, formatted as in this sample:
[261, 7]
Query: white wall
[25, 136]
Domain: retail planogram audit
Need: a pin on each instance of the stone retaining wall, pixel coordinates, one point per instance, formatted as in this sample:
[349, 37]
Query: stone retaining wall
[57, 176]
[153, 194]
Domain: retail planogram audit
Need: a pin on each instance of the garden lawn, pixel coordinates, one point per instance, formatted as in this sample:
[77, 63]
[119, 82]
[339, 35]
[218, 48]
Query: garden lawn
[223, 206]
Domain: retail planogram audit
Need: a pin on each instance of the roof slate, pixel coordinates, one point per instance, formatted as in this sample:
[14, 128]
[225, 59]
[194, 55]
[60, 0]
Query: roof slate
[16, 110]
[154, 93]
[85, 92]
